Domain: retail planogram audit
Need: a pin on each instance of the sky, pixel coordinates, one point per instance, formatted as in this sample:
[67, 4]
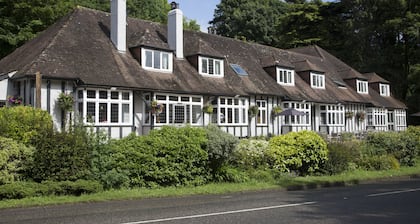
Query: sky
[201, 11]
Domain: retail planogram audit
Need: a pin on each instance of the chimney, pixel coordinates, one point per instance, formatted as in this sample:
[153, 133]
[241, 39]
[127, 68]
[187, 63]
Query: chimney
[118, 24]
[175, 30]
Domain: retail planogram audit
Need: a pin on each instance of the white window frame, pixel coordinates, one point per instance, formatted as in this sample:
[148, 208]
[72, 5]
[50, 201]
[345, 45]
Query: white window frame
[124, 119]
[191, 104]
[384, 89]
[208, 61]
[297, 120]
[285, 76]
[400, 118]
[161, 57]
[362, 87]
[317, 81]
[262, 116]
[232, 111]
[334, 115]
[377, 117]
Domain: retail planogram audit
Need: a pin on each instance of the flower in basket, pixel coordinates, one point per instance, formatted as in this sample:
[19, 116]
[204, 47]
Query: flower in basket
[360, 115]
[349, 114]
[156, 107]
[208, 109]
[253, 111]
[15, 100]
[276, 111]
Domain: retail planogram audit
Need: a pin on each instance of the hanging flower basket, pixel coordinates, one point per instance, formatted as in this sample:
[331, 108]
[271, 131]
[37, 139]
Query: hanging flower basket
[208, 109]
[253, 111]
[156, 107]
[349, 114]
[360, 115]
[15, 100]
[65, 102]
[276, 111]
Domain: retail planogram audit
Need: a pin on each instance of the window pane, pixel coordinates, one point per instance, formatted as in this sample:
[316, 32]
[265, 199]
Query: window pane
[90, 112]
[91, 94]
[149, 59]
[179, 114]
[114, 113]
[80, 109]
[125, 114]
[196, 114]
[204, 65]
[103, 108]
[114, 95]
[126, 96]
[165, 61]
[156, 59]
[217, 67]
[103, 94]
[236, 115]
[211, 66]
[80, 94]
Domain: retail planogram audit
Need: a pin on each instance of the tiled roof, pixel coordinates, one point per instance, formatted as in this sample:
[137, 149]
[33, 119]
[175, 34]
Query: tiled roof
[78, 47]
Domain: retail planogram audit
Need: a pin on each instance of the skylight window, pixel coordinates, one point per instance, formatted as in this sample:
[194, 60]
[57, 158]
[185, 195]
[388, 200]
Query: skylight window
[238, 69]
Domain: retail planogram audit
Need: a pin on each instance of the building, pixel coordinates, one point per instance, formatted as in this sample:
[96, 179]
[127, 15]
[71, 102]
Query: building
[129, 75]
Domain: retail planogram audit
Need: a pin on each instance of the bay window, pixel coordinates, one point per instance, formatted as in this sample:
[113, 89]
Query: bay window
[332, 115]
[298, 120]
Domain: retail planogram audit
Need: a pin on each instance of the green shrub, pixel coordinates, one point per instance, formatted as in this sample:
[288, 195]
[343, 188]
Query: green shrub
[402, 145]
[62, 156]
[262, 175]
[220, 147]
[340, 156]
[165, 157]
[302, 151]
[250, 154]
[24, 124]
[379, 162]
[18, 190]
[230, 174]
[15, 160]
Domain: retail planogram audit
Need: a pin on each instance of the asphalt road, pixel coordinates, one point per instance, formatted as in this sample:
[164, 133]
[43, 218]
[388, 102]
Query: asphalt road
[396, 201]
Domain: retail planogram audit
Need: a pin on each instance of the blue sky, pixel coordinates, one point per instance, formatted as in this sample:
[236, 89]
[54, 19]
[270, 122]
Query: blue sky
[200, 10]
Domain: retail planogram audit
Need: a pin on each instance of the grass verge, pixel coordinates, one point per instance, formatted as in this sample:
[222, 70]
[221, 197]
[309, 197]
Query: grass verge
[284, 182]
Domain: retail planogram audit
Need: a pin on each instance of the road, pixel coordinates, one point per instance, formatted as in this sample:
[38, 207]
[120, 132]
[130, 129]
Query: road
[392, 201]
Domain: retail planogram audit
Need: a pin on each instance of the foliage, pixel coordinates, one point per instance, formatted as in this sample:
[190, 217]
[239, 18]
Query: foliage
[230, 174]
[65, 102]
[252, 111]
[379, 162]
[340, 156]
[190, 24]
[208, 109]
[276, 111]
[169, 156]
[302, 151]
[250, 154]
[24, 124]
[64, 155]
[401, 145]
[15, 159]
[19, 190]
[220, 147]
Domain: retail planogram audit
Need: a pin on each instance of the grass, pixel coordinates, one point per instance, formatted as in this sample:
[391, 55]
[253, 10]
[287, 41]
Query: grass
[283, 182]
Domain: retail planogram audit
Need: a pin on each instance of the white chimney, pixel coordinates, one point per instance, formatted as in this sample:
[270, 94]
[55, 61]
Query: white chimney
[175, 30]
[118, 24]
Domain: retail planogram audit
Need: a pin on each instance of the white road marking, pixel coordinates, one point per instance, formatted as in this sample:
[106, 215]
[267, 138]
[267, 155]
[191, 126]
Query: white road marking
[221, 213]
[394, 192]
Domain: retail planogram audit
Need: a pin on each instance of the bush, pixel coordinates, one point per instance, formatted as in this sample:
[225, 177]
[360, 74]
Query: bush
[379, 162]
[230, 174]
[19, 190]
[62, 156]
[24, 124]
[302, 151]
[402, 145]
[220, 147]
[15, 160]
[168, 156]
[341, 156]
[250, 154]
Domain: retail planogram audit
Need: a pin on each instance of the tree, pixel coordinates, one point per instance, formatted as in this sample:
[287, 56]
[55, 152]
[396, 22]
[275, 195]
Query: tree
[191, 24]
[249, 20]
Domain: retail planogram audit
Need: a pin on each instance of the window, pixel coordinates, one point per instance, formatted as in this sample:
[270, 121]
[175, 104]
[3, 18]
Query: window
[105, 107]
[332, 115]
[384, 90]
[362, 86]
[377, 117]
[2, 103]
[177, 109]
[297, 120]
[285, 77]
[232, 111]
[317, 81]
[400, 118]
[210, 66]
[156, 60]
[262, 112]
[238, 69]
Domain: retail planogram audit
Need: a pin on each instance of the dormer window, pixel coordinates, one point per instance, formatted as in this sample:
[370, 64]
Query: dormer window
[362, 86]
[317, 81]
[156, 60]
[210, 67]
[285, 77]
[384, 90]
